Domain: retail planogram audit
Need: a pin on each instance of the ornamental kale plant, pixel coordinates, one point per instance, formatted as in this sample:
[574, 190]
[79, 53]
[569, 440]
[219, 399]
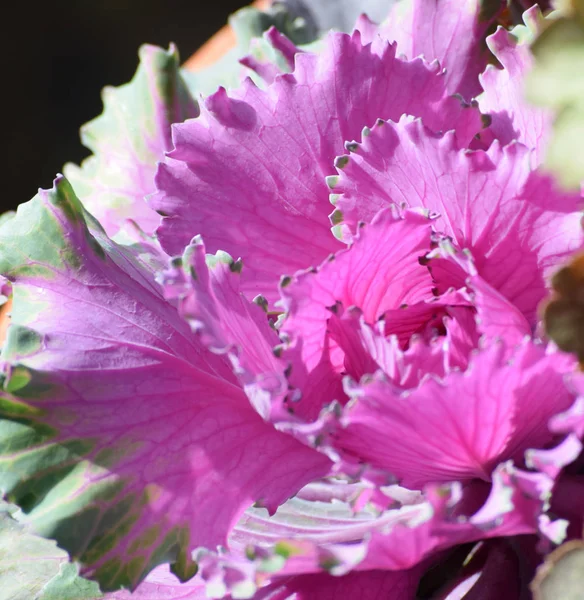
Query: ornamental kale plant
[284, 340]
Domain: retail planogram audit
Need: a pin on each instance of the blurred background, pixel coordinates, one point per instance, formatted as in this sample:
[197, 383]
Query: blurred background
[61, 54]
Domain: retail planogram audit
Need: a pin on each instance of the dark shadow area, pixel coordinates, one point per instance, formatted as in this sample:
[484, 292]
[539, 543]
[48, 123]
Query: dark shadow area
[58, 57]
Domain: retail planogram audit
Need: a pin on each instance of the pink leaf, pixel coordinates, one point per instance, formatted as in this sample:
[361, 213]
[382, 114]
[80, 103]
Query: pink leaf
[461, 427]
[249, 174]
[153, 437]
[517, 224]
[443, 30]
[378, 272]
[512, 117]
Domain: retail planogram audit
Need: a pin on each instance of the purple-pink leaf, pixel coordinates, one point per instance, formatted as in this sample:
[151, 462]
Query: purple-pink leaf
[206, 291]
[552, 460]
[572, 420]
[518, 225]
[496, 317]
[443, 30]
[161, 449]
[492, 571]
[380, 271]
[328, 528]
[249, 174]
[414, 532]
[162, 584]
[503, 100]
[461, 427]
[367, 349]
[368, 585]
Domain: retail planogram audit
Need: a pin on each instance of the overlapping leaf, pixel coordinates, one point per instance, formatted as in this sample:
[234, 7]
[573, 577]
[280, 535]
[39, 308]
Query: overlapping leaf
[504, 100]
[443, 30]
[517, 224]
[249, 174]
[142, 443]
[458, 428]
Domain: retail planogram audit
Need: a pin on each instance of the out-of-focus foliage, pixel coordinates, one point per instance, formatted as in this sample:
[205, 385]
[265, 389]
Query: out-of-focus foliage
[557, 81]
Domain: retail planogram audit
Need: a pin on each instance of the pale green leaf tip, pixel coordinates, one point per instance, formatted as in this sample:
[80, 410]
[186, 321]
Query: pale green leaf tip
[184, 567]
[21, 341]
[35, 238]
[261, 302]
[341, 161]
[62, 196]
[337, 231]
[223, 258]
[332, 181]
[336, 217]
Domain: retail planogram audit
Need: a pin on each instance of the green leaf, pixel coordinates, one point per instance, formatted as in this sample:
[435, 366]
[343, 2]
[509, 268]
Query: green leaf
[36, 236]
[34, 568]
[249, 23]
[68, 585]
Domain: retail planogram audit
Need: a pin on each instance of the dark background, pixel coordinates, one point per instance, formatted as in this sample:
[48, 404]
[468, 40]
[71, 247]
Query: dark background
[58, 57]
